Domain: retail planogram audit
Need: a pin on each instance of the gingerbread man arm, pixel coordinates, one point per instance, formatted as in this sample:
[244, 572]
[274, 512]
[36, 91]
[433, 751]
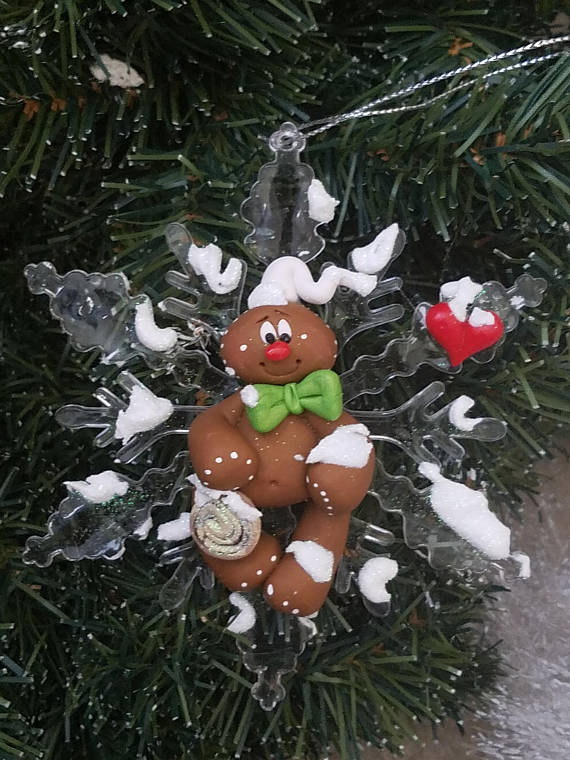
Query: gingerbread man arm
[221, 456]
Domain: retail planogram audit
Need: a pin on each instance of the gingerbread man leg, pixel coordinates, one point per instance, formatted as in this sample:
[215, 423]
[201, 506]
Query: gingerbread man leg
[302, 579]
[248, 572]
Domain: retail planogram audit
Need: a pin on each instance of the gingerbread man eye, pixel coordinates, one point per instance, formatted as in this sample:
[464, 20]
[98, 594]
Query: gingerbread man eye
[284, 330]
[267, 333]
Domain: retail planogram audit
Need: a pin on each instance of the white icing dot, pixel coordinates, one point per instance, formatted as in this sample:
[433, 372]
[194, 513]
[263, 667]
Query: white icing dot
[221, 345]
[303, 336]
[234, 455]
[295, 611]
[248, 461]
[273, 558]
[259, 572]
[207, 472]
[270, 590]
[285, 604]
[315, 485]
[326, 500]
[218, 460]
[243, 347]
[206, 482]
[251, 477]
[323, 493]
[244, 585]
[298, 457]
[230, 371]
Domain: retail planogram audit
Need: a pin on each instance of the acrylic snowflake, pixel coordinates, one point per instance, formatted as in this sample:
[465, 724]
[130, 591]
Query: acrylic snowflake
[449, 523]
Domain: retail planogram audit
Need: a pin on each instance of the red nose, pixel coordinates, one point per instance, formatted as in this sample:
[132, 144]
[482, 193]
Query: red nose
[277, 351]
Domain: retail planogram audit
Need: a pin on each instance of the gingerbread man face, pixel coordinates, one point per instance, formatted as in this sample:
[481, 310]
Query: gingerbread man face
[278, 344]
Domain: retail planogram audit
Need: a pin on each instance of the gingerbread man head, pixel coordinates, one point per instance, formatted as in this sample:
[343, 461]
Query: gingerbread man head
[278, 344]
[278, 340]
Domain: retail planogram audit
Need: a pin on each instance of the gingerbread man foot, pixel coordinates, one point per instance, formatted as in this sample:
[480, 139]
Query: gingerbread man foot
[301, 581]
[292, 589]
[247, 572]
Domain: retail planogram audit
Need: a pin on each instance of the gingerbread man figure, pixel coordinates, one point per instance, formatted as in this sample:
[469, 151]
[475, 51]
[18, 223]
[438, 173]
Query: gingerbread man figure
[285, 439]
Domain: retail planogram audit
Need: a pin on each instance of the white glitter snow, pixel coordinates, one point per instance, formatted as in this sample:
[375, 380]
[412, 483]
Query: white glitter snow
[99, 488]
[148, 332]
[118, 74]
[309, 624]
[479, 317]
[175, 530]
[143, 530]
[207, 261]
[524, 562]
[376, 255]
[321, 204]
[245, 619]
[467, 512]
[249, 395]
[347, 446]
[459, 294]
[289, 279]
[374, 575]
[315, 560]
[233, 499]
[458, 410]
[144, 412]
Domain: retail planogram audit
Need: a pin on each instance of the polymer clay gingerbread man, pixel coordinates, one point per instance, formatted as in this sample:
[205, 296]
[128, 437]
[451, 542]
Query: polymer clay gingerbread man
[284, 439]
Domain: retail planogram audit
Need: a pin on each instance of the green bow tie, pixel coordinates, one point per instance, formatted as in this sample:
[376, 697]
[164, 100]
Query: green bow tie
[320, 392]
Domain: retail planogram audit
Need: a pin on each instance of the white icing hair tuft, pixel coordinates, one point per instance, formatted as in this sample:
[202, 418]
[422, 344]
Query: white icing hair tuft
[289, 279]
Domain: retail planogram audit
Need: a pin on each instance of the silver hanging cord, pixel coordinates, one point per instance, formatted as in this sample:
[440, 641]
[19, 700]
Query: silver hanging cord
[369, 109]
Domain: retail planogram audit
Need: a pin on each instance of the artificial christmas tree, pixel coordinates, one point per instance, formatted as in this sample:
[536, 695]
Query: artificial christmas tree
[121, 118]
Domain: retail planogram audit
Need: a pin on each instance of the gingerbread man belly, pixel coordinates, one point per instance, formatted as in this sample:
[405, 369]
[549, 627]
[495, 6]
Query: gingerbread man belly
[280, 479]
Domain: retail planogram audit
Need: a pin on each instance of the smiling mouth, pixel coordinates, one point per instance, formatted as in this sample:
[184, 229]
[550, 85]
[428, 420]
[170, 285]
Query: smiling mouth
[280, 374]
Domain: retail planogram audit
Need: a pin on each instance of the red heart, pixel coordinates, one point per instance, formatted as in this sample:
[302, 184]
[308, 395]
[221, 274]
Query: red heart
[461, 339]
